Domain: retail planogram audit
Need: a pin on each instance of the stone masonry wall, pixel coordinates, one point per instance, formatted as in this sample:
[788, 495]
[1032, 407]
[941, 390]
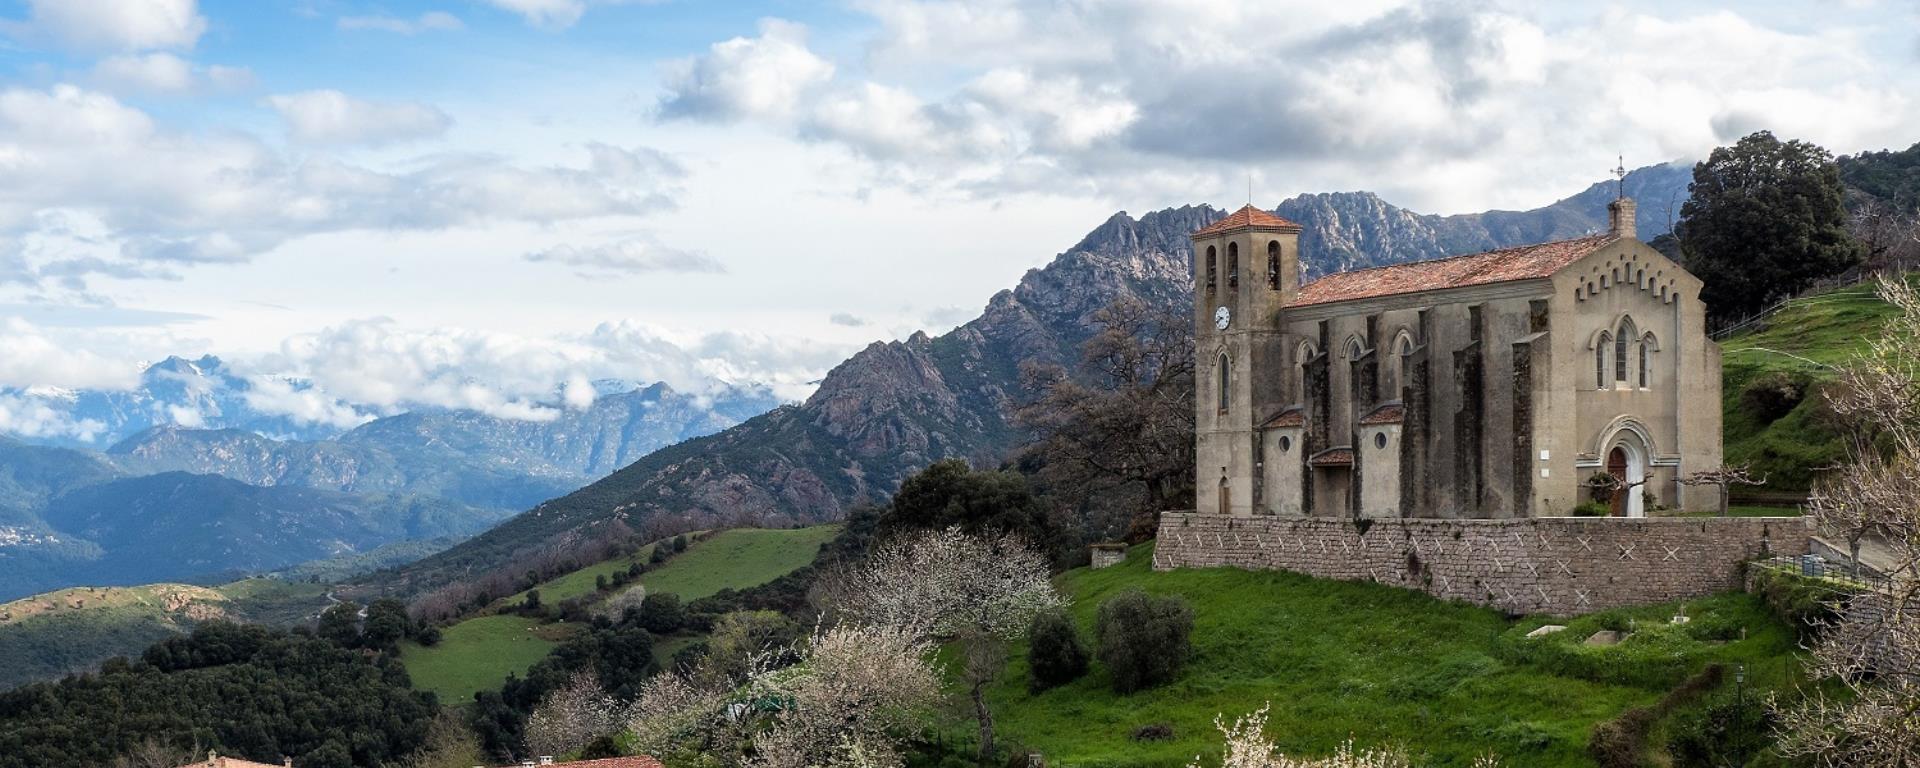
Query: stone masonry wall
[1559, 566]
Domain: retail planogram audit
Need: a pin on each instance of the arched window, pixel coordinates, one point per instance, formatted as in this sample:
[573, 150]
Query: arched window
[1600, 360]
[1621, 338]
[1213, 275]
[1273, 264]
[1226, 377]
[1304, 353]
[1648, 346]
[1233, 265]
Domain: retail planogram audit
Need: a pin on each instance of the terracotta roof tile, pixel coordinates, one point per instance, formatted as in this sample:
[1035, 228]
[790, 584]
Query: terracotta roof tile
[1333, 457]
[1391, 413]
[1247, 216]
[1293, 416]
[1523, 263]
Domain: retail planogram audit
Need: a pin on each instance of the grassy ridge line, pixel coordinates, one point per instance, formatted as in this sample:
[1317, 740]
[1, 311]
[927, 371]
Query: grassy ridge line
[479, 653]
[1377, 664]
[1801, 343]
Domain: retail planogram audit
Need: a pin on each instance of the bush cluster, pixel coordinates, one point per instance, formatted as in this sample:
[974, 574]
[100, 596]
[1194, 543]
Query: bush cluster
[1143, 639]
[1622, 741]
[1055, 654]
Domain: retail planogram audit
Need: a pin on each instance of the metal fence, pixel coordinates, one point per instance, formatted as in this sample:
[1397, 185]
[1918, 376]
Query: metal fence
[1817, 567]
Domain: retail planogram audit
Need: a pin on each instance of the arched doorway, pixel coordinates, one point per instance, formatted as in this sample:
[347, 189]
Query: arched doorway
[1226, 497]
[1627, 464]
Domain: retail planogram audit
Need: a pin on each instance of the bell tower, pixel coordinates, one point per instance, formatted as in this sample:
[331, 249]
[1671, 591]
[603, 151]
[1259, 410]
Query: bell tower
[1246, 268]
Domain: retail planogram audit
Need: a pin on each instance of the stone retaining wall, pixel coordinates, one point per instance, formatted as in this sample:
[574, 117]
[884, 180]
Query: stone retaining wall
[1553, 565]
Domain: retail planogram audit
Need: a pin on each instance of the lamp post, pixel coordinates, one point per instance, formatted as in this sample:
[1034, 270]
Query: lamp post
[1740, 706]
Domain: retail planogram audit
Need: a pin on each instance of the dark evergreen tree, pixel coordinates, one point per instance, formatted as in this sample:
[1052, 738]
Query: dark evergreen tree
[1766, 219]
[386, 625]
[1056, 656]
[340, 625]
[662, 613]
[1143, 640]
[951, 493]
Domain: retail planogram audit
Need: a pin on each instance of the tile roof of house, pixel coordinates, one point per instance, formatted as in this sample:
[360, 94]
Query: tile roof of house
[1293, 416]
[1333, 457]
[1391, 413]
[1247, 216]
[216, 761]
[1522, 263]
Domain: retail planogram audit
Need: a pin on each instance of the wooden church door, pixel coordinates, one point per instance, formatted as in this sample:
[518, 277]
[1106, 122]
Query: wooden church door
[1617, 466]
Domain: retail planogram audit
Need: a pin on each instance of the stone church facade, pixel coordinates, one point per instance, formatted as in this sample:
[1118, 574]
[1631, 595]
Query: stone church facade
[1491, 385]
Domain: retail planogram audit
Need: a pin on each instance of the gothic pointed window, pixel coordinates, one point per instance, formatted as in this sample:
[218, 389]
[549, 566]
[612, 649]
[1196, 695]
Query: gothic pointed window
[1648, 346]
[1621, 338]
[1213, 270]
[1273, 265]
[1226, 377]
[1233, 266]
[1600, 359]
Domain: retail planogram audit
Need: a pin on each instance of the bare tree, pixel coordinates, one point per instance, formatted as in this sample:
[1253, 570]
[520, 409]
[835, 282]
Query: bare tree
[1119, 430]
[1724, 479]
[577, 713]
[1873, 649]
[154, 753]
[981, 591]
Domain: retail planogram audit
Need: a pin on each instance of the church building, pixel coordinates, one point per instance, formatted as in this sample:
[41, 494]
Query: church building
[1491, 385]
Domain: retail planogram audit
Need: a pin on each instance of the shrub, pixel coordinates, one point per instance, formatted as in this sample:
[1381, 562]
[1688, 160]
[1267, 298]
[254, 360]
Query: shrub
[1729, 730]
[1622, 741]
[429, 636]
[1153, 732]
[1056, 656]
[1592, 509]
[1773, 395]
[1143, 640]
[661, 613]
[1805, 603]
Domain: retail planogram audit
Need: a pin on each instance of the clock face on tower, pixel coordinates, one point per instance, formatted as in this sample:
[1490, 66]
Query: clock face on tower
[1221, 317]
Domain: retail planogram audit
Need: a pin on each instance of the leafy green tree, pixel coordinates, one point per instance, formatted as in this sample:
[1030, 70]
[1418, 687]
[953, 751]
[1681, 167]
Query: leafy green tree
[340, 625]
[1766, 219]
[662, 613]
[1056, 656]
[387, 624]
[1143, 639]
[950, 493]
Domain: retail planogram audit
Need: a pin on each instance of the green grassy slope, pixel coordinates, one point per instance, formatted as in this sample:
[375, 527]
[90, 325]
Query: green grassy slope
[71, 630]
[737, 559]
[478, 654]
[1379, 664]
[1798, 345]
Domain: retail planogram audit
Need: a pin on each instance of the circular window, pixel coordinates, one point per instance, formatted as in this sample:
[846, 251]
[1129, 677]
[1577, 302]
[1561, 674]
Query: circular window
[1379, 439]
[1286, 443]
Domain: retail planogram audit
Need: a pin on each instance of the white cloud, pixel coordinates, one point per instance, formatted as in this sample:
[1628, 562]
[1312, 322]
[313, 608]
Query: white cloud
[380, 367]
[153, 195]
[761, 77]
[332, 117]
[848, 319]
[632, 256]
[427, 22]
[161, 72]
[1446, 107]
[34, 418]
[115, 25]
[552, 14]
[29, 357]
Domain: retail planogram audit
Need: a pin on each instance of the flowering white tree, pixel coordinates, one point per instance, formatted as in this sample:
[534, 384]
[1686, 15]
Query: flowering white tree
[853, 690]
[979, 590]
[1873, 648]
[573, 715]
[1247, 746]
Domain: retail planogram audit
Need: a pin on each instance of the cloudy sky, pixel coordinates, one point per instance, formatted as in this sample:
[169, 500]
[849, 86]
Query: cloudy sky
[399, 198]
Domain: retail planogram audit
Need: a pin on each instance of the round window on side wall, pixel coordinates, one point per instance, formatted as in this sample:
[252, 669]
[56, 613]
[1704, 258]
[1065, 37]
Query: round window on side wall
[1286, 443]
[1379, 439]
